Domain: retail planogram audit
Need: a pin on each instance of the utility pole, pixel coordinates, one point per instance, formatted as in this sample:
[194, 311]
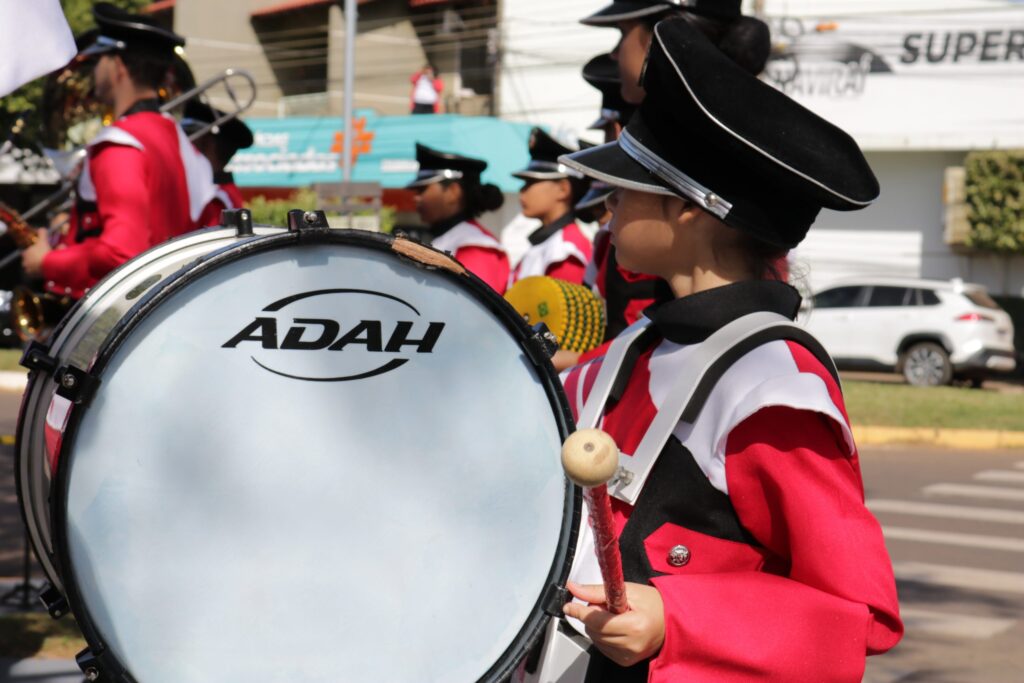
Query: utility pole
[351, 19]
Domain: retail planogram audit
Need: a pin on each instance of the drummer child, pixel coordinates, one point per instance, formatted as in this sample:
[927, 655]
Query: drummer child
[749, 553]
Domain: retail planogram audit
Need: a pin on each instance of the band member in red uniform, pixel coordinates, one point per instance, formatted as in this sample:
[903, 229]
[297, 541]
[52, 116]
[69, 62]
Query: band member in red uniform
[449, 198]
[218, 146]
[747, 548]
[143, 181]
[558, 248]
[626, 293]
[746, 40]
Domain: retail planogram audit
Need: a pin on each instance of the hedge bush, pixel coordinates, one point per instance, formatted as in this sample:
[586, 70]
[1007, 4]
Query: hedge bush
[995, 200]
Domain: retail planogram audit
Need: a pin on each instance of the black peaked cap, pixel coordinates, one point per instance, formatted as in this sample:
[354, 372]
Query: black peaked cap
[625, 10]
[544, 159]
[602, 73]
[712, 133]
[234, 133]
[122, 30]
[436, 166]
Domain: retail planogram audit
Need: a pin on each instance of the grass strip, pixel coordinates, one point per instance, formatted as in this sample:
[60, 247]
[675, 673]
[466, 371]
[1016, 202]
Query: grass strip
[9, 360]
[32, 634]
[879, 404]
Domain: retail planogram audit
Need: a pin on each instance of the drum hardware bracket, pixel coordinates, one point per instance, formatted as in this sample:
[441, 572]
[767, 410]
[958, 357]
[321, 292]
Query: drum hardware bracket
[75, 385]
[542, 344]
[54, 602]
[299, 220]
[555, 597]
[37, 357]
[89, 663]
[239, 219]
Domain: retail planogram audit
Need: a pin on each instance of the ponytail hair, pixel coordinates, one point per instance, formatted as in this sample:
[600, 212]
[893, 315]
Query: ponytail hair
[745, 40]
[480, 198]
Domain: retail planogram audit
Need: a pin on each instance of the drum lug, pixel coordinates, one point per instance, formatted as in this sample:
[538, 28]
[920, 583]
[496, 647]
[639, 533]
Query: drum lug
[554, 599]
[89, 663]
[76, 385]
[542, 344]
[54, 601]
[299, 220]
[37, 357]
[239, 219]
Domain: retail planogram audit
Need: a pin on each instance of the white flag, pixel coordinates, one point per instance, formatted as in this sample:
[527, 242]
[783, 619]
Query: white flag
[35, 39]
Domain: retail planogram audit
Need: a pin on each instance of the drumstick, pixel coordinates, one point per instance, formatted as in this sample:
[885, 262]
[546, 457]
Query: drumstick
[590, 459]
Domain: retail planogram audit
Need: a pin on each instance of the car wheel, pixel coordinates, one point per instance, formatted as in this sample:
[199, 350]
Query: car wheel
[926, 364]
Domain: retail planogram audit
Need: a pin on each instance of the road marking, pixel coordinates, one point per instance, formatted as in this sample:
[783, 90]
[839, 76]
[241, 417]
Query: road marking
[953, 625]
[951, 511]
[960, 577]
[974, 491]
[1003, 476]
[898, 533]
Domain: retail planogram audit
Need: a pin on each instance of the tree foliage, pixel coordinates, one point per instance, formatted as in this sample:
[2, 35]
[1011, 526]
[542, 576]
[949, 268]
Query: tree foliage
[995, 200]
[26, 100]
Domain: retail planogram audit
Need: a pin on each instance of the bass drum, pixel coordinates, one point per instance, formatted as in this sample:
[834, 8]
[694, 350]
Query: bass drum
[313, 456]
[75, 342]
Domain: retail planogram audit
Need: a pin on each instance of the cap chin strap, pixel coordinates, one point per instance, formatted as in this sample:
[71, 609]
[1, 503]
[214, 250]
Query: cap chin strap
[690, 188]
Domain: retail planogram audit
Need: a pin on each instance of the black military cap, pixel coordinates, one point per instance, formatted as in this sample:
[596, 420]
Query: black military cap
[232, 135]
[121, 30]
[603, 73]
[597, 195]
[625, 10]
[710, 132]
[436, 166]
[544, 163]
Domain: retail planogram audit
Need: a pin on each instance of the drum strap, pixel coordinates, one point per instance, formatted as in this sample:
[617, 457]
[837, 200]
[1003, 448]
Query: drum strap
[690, 390]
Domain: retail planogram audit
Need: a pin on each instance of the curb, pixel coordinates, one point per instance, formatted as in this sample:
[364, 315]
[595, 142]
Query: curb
[965, 439]
[13, 381]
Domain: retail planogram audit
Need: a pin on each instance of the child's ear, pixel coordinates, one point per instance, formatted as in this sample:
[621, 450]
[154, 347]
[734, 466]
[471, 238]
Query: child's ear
[565, 190]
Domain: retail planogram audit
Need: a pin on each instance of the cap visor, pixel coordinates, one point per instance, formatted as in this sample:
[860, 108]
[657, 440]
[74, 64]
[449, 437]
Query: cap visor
[595, 197]
[609, 164]
[622, 11]
[540, 175]
[96, 50]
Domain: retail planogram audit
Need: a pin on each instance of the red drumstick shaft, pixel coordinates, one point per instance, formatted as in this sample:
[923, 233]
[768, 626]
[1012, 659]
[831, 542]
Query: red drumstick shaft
[606, 546]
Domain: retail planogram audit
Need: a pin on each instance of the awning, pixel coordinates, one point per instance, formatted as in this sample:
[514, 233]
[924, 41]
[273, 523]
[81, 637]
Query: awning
[299, 151]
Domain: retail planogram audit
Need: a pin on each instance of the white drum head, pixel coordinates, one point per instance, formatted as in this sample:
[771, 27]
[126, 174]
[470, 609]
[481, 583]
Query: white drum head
[225, 521]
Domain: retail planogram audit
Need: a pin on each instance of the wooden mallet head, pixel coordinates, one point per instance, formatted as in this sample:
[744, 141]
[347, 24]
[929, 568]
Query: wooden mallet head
[590, 458]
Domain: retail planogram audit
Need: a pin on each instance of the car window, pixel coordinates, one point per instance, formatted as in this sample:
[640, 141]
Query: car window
[840, 297]
[926, 297]
[887, 296]
[980, 297]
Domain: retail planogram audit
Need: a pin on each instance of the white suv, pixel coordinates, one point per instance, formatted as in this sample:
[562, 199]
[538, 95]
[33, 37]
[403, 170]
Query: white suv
[930, 331]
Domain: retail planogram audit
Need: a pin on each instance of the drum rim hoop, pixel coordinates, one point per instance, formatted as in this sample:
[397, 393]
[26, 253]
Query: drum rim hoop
[530, 633]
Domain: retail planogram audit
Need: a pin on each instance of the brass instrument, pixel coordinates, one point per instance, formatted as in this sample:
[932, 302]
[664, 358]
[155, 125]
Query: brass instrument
[34, 315]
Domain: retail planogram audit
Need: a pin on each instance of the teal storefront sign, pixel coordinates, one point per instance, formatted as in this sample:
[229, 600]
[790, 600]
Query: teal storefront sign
[299, 151]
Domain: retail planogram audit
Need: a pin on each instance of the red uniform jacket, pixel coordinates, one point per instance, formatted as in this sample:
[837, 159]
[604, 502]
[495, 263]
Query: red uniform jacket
[559, 250]
[143, 183]
[475, 247]
[787, 577]
[228, 196]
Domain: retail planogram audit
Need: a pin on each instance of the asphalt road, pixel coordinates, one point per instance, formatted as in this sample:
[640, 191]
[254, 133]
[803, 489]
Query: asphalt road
[954, 526]
[954, 523]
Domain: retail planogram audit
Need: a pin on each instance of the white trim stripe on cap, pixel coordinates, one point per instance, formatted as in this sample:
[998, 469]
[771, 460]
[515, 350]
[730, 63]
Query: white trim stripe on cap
[613, 180]
[708, 200]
